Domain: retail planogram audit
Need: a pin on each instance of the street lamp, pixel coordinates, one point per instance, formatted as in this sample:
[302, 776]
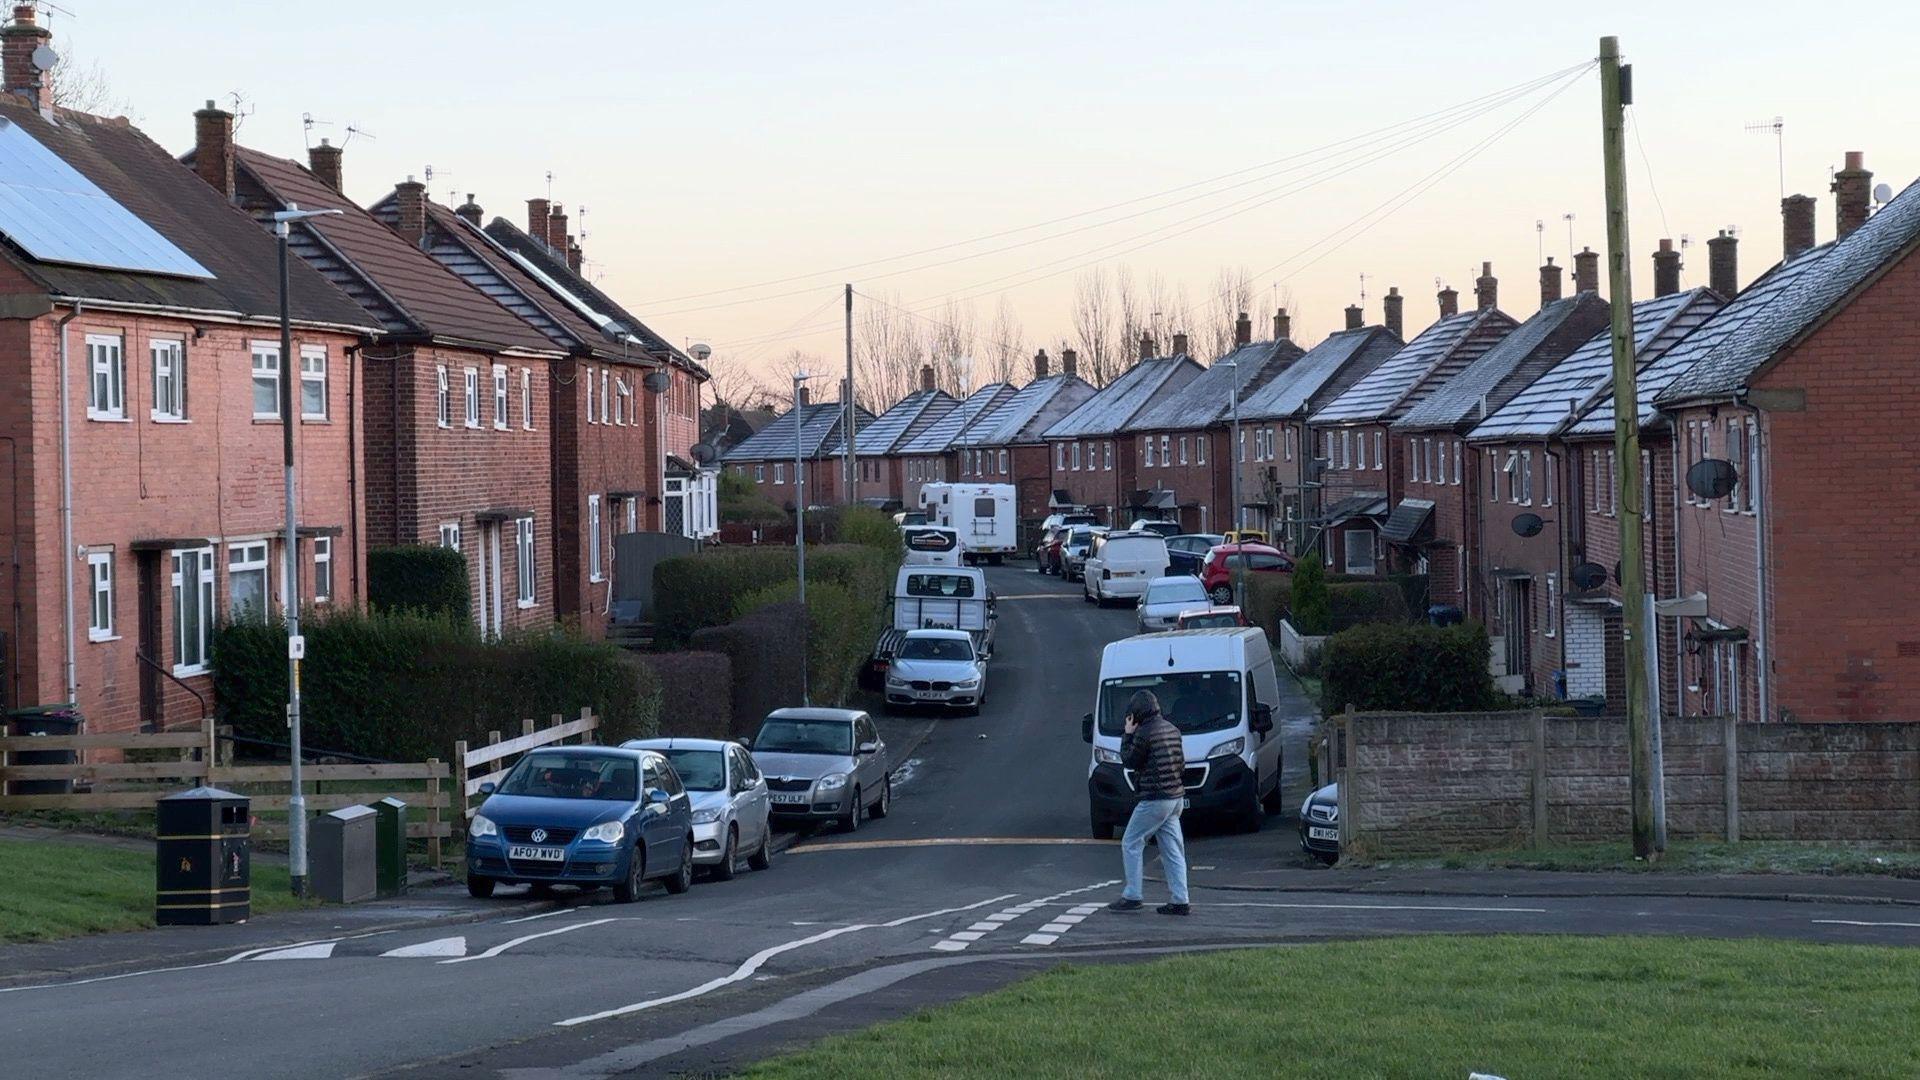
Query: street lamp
[290, 578]
[800, 528]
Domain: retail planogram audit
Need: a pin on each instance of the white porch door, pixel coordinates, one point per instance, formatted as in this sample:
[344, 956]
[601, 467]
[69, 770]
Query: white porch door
[487, 554]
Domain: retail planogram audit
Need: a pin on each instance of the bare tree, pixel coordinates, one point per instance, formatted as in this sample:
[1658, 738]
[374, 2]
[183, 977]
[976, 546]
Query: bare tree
[951, 346]
[888, 351]
[794, 362]
[1131, 314]
[731, 383]
[1231, 294]
[1093, 314]
[1004, 345]
[83, 87]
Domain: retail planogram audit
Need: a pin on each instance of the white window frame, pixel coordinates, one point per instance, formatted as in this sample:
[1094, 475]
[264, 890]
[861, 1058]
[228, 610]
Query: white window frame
[759, 473]
[1736, 456]
[322, 569]
[1751, 486]
[471, 383]
[1613, 486]
[1076, 456]
[779, 472]
[606, 387]
[1379, 450]
[591, 416]
[1002, 461]
[266, 373]
[501, 405]
[594, 573]
[619, 403]
[1106, 457]
[1360, 454]
[450, 535]
[1549, 480]
[204, 601]
[526, 399]
[1292, 439]
[1243, 445]
[1060, 457]
[1199, 449]
[1346, 447]
[631, 507]
[106, 377]
[168, 355]
[313, 369]
[1553, 605]
[251, 557]
[1146, 451]
[523, 556]
[100, 608]
[443, 398]
[1183, 449]
[1166, 450]
[1459, 457]
[1526, 478]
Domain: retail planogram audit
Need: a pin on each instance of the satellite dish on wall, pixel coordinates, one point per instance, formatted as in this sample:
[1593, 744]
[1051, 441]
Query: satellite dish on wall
[1588, 576]
[704, 453]
[700, 351]
[44, 59]
[1528, 524]
[1713, 478]
[657, 382]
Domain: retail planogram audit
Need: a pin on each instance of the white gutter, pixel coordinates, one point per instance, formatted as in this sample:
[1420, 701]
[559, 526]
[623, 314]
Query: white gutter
[67, 554]
[208, 315]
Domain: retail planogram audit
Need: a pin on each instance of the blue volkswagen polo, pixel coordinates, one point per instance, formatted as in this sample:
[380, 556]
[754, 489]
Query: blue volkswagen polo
[586, 816]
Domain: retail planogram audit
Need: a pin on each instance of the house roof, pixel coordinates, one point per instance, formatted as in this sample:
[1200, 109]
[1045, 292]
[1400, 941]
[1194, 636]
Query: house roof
[1821, 281]
[1025, 416]
[819, 425]
[141, 176]
[958, 423]
[1115, 405]
[1207, 398]
[1516, 360]
[1358, 504]
[1442, 351]
[886, 432]
[1570, 389]
[410, 292]
[1407, 520]
[1347, 354]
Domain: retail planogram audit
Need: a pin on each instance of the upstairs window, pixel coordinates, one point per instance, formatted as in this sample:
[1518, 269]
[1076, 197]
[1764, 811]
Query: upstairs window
[443, 406]
[473, 397]
[169, 379]
[313, 382]
[106, 378]
[266, 380]
[1379, 449]
[500, 397]
[526, 398]
[322, 569]
[591, 416]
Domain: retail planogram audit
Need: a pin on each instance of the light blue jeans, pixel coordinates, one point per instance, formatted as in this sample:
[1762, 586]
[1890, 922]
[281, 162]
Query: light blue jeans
[1155, 817]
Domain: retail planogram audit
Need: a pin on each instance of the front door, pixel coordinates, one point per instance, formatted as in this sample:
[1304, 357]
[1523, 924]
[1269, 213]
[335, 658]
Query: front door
[1516, 621]
[152, 643]
[487, 561]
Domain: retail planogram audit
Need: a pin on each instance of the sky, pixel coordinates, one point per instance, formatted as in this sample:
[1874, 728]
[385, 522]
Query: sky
[722, 145]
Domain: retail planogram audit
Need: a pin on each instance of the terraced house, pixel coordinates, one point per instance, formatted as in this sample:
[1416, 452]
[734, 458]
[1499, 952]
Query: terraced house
[880, 472]
[1088, 465]
[942, 448]
[770, 457]
[1009, 448]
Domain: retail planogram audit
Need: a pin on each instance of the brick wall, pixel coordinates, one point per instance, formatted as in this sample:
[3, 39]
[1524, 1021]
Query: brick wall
[1191, 475]
[1101, 490]
[1467, 781]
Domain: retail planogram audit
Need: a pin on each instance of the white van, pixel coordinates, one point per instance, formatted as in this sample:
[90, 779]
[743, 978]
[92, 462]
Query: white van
[931, 545]
[1120, 564]
[983, 515]
[1217, 687]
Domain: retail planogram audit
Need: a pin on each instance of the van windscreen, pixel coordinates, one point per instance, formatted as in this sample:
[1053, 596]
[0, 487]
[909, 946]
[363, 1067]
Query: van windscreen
[1196, 701]
[941, 585]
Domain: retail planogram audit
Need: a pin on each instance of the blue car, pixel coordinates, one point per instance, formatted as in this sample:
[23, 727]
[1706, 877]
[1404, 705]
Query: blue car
[587, 816]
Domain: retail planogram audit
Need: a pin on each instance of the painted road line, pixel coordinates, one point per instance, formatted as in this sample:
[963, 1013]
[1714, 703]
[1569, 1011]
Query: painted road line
[950, 910]
[968, 935]
[956, 841]
[516, 942]
[1858, 922]
[744, 971]
[1040, 596]
[950, 946]
[446, 946]
[302, 952]
[542, 915]
[1039, 939]
[959, 941]
[244, 954]
[1389, 907]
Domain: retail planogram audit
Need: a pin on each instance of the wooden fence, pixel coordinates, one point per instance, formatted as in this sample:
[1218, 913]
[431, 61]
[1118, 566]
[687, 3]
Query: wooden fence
[494, 756]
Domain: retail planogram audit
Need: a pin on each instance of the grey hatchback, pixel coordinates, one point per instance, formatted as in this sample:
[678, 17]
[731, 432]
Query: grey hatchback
[824, 764]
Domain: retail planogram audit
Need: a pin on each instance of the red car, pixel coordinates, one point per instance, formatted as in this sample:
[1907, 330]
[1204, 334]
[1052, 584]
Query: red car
[1217, 572]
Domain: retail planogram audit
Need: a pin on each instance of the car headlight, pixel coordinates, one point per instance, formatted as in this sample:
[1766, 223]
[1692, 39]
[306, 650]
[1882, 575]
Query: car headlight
[831, 782]
[967, 684]
[481, 825]
[1230, 748]
[607, 832]
[1105, 756]
[896, 682]
[706, 817]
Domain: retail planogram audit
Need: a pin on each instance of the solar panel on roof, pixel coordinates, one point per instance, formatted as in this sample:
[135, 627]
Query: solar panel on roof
[57, 215]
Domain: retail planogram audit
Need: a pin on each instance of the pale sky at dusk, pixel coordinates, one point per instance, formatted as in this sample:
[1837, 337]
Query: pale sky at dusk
[721, 144]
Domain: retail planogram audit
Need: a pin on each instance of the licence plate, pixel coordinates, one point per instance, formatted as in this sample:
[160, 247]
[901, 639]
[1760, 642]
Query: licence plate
[793, 799]
[1126, 573]
[929, 695]
[1316, 832]
[538, 854]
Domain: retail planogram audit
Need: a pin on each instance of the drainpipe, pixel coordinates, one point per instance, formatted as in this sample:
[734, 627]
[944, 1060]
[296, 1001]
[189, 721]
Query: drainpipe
[66, 509]
[1763, 639]
[1552, 464]
[353, 469]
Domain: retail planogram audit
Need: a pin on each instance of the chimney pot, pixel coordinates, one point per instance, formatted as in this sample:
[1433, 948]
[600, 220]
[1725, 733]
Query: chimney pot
[1549, 282]
[805, 399]
[410, 199]
[1486, 288]
[1796, 224]
[1242, 330]
[1179, 344]
[1723, 254]
[1282, 325]
[1069, 363]
[1040, 364]
[1586, 271]
[1852, 194]
[1449, 302]
[18, 40]
[1666, 270]
[469, 211]
[324, 160]
[575, 257]
[213, 148]
[1354, 317]
[1393, 306]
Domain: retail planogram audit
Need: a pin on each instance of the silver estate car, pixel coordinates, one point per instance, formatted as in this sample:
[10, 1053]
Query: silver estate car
[731, 810]
[823, 764]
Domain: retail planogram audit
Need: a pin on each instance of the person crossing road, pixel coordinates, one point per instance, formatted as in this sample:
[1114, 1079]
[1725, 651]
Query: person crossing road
[1151, 748]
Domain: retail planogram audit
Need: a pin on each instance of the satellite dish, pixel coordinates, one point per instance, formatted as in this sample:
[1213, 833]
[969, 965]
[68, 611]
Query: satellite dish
[1882, 193]
[704, 453]
[1712, 478]
[1588, 576]
[700, 352]
[657, 382]
[44, 59]
[1527, 524]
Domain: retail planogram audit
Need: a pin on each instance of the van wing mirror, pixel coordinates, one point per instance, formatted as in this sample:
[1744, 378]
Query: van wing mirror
[1086, 727]
[1262, 718]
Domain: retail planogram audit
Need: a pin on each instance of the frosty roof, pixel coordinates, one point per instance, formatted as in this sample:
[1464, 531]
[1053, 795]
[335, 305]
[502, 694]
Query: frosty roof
[1027, 414]
[1117, 403]
[1555, 330]
[963, 419]
[1209, 397]
[1295, 388]
[818, 424]
[883, 434]
[1441, 351]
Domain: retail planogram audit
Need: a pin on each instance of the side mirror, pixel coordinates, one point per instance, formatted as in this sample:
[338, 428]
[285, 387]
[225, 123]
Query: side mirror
[1262, 719]
[746, 742]
[1086, 727]
[868, 748]
[658, 797]
[489, 788]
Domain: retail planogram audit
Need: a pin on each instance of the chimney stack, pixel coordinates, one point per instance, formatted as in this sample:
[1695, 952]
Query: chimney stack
[1040, 364]
[1146, 346]
[926, 376]
[1549, 282]
[1486, 288]
[213, 148]
[1243, 330]
[1069, 363]
[1355, 317]
[801, 398]
[1449, 302]
[410, 199]
[1392, 307]
[1723, 265]
[537, 211]
[1179, 343]
[1282, 325]
[18, 40]
[1666, 270]
[574, 255]
[1796, 224]
[556, 234]
[1852, 192]
[1586, 271]
[324, 160]
[469, 211]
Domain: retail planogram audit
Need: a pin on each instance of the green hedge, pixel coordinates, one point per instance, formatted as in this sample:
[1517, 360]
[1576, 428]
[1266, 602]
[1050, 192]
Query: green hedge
[692, 592]
[740, 501]
[1312, 612]
[841, 629]
[404, 686]
[1358, 603]
[696, 699]
[1268, 597]
[765, 664]
[420, 578]
[1407, 668]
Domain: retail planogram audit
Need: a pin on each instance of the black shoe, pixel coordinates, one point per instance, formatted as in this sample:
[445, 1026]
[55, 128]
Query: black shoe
[1124, 904]
[1174, 909]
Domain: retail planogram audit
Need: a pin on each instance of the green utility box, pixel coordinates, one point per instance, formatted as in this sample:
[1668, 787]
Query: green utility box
[390, 847]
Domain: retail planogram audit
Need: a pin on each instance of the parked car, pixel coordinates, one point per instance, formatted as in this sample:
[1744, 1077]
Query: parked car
[1217, 573]
[1047, 558]
[1162, 529]
[731, 812]
[1320, 824]
[1166, 599]
[823, 765]
[1067, 517]
[1073, 551]
[583, 815]
[938, 667]
[1121, 564]
[1211, 618]
[1187, 552]
[1246, 536]
[910, 517]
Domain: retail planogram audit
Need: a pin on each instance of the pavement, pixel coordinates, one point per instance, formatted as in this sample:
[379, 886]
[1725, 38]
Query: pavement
[985, 871]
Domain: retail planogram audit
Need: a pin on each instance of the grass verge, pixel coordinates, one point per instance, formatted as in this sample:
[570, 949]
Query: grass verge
[1531, 1007]
[1689, 857]
[50, 890]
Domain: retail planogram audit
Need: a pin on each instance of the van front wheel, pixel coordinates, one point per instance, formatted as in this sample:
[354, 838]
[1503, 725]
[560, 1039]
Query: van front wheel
[1102, 830]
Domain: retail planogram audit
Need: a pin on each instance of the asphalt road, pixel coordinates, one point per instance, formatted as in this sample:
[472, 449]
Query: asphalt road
[984, 870]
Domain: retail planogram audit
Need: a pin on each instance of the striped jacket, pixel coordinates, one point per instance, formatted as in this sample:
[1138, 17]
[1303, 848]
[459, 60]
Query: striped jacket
[1153, 753]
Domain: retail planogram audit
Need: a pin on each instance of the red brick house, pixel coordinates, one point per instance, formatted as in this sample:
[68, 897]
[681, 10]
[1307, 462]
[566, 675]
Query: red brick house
[1008, 448]
[146, 368]
[946, 446]
[768, 457]
[881, 474]
[1092, 460]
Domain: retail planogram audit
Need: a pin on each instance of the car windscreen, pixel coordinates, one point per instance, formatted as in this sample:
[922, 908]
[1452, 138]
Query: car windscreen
[1174, 592]
[1080, 538]
[805, 737]
[941, 585]
[700, 770]
[936, 649]
[557, 775]
[1207, 622]
[1196, 701]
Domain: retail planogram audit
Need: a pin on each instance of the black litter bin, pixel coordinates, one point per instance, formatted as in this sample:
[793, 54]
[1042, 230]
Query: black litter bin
[60, 719]
[1445, 615]
[203, 872]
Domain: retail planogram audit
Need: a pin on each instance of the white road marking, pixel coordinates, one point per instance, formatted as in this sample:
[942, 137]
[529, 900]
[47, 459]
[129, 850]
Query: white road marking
[1858, 922]
[1388, 907]
[505, 945]
[983, 926]
[446, 946]
[960, 940]
[1070, 920]
[949, 911]
[744, 971]
[302, 952]
[949, 946]
[542, 915]
[968, 935]
[244, 954]
[1056, 928]
[1039, 939]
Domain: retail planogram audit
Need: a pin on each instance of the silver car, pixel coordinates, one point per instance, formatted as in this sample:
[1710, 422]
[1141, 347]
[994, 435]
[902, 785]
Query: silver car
[823, 764]
[731, 810]
[1167, 598]
[937, 667]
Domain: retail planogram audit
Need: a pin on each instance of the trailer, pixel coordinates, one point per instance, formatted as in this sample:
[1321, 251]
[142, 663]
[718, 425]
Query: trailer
[984, 515]
[934, 598]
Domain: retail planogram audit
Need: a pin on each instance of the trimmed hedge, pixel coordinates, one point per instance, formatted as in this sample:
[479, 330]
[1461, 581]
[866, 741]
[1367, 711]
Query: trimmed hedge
[404, 686]
[692, 592]
[1312, 612]
[741, 502]
[420, 578]
[1268, 597]
[841, 629]
[1407, 668]
[1359, 603]
[765, 665]
[867, 527]
[696, 699]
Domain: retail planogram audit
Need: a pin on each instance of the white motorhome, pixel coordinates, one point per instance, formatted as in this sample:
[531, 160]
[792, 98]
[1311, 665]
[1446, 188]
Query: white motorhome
[983, 514]
[1218, 687]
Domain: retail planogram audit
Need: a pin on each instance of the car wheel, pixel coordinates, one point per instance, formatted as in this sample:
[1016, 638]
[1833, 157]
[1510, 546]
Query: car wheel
[1102, 829]
[1221, 594]
[1273, 802]
[1086, 596]
[885, 805]
[480, 888]
[1253, 814]
[850, 822]
[729, 858]
[628, 890]
[682, 879]
[763, 858]
[1326, 858]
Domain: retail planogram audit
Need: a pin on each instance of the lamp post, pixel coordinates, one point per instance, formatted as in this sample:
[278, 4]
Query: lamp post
[290, 575]
[800, 529]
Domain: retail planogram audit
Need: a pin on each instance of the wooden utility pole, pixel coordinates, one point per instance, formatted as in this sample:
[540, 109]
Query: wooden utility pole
[1616, 92]
[853, 415]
